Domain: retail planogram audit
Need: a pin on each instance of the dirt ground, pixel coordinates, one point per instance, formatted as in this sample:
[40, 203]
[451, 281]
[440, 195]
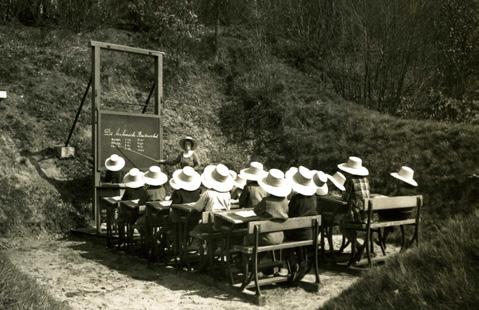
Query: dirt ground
[87, 275]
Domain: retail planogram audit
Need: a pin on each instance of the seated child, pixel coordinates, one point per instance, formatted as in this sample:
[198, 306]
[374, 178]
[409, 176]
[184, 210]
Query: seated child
[155, 191]
[216, 197]
[239, 184]
[302, 203]
[252, 193]
[134, 183]
[357, 189]
[186, 183]
[338, 180]
[320, 179]
[403, 185]
[113, 165]
[274, 206]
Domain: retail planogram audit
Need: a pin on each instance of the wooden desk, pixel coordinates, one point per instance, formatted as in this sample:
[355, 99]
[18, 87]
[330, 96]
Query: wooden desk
[232, 225]
[104, 190]
[156, 228]
[235, 217]
[110, 204]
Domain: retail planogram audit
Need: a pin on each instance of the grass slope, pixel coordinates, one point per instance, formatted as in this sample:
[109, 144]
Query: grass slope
[294, 119]
[18, 291]
[441, 274]
[45, 72]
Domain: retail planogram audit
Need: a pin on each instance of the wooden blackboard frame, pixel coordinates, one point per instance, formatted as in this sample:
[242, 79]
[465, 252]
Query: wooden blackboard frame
[96, 48]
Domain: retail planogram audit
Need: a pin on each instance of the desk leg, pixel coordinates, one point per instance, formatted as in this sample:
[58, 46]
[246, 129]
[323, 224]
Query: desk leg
[229, 257]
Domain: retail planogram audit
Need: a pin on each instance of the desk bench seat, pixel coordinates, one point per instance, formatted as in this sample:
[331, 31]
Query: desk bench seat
[250, 252]
[268, 248]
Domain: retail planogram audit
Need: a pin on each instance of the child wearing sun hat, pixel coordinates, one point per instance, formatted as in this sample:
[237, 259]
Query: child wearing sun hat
[134, 182]
[403, 185]
[273, 206]
[154, 180]
[338, 180]
[114, 165]
[218, 183]
[252, 193]
[186, 183]
[356, 190]
[303, 203]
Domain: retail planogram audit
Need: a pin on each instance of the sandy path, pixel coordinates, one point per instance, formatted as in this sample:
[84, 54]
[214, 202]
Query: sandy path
[86, 275]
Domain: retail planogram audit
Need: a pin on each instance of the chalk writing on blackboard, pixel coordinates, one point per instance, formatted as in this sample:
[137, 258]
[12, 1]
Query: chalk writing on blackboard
[137, 133]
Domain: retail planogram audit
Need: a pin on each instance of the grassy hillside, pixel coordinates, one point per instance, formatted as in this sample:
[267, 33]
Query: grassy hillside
[294, 118]
[45, 72]
[18, 291]
[441, 274]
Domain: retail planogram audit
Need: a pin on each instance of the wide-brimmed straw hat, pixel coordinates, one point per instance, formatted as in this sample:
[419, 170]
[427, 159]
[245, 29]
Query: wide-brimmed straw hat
[354, 166]
[239, 181]
[187, 178]
[254, 172]
[320, 178]
[275, 184]
[173, 184]
[155, 177]
[405, 174]
[290, 172]
[302, 182]
[114, 163]
[338, 179]
[217, 178]
[134, 178]
[188, 138]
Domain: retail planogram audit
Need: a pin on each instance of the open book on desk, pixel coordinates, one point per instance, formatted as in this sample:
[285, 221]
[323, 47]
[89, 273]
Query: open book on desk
[245, 213]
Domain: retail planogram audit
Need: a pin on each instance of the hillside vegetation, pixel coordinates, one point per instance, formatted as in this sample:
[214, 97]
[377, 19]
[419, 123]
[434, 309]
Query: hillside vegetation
[441, 274]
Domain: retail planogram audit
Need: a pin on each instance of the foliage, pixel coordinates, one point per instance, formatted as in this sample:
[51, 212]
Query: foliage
[292, 119]
[442, 273]
[18, 291]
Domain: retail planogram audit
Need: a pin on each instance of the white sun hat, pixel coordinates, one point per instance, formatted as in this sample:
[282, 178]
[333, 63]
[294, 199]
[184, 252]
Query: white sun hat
[405, 174]
[239, 181]
[302, 182]
[134, 178]
[254, 172]
[275, 184]
[290, 172]
[338, 179]
[155, 177]
[173, 184]
[187, 178]
[320, 178]
[354, 166]
[114, 163]
[217, 178]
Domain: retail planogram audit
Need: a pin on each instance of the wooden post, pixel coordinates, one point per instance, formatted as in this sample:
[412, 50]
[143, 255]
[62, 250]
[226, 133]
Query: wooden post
[159, 95]
[96, 91]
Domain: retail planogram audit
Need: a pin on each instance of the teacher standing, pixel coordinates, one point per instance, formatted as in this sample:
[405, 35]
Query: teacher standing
[187, 157]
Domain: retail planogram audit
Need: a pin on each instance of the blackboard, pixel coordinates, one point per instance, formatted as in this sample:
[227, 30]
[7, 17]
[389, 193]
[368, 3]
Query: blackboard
[127, 133]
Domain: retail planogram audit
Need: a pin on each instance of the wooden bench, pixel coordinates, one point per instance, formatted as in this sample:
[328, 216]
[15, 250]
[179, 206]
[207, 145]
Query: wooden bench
[250, 252]
[378, 204]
